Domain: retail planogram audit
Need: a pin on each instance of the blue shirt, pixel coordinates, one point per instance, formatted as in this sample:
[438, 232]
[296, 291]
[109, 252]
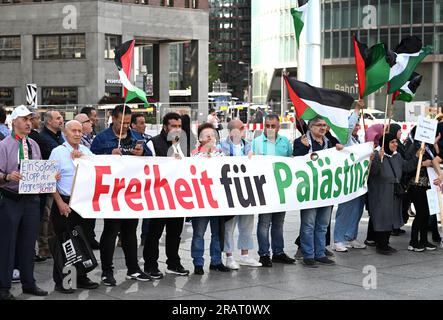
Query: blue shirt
[4, 130]
[106, 141]
[281, 148]
[62, 154]
[228, 148]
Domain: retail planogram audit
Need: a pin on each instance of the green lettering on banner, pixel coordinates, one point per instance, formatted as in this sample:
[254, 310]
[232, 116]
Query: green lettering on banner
[304, 187]
[337, 180]
[326, 186]
[314, 180]
[282, 184]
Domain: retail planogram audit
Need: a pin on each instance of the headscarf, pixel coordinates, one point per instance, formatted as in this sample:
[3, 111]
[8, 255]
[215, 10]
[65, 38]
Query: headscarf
[388, 138]
[394, 128]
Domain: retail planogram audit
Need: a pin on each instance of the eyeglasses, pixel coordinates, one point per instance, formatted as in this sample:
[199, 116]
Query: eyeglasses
[320, 125]
[86, 121]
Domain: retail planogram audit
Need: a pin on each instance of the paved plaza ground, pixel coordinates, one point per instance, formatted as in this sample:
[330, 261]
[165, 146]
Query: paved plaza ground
[404, 275]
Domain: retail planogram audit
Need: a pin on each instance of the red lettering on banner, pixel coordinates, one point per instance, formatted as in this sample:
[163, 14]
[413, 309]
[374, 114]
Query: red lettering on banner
[207, 183]
[119, 184]
[130, 195]
[99, 187]
[148, 190]
[198, 193]
[181, 184]
[163, 183]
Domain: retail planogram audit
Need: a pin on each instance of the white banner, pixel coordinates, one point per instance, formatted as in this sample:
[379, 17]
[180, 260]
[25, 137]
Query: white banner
[143, 187]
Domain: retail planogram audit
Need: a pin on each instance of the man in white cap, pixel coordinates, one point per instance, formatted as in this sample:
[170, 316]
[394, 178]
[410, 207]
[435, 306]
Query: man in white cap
[19, 214]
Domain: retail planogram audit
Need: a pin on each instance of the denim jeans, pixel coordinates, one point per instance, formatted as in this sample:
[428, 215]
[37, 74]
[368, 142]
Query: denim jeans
[347, 219]
[245, 226]
[273, 221]
[314, 225]
[199, 226]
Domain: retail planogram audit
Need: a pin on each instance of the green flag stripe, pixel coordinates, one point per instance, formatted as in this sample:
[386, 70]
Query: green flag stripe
[377, 74]
[298, 23]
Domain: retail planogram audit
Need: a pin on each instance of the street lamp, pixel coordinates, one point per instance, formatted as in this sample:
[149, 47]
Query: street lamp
[249, 86]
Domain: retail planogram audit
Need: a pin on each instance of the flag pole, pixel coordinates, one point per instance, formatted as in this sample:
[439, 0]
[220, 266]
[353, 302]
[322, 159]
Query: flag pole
[384, 128]
[121, 127]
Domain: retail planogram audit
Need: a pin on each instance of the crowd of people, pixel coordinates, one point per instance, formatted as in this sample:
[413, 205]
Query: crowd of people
[29, 219]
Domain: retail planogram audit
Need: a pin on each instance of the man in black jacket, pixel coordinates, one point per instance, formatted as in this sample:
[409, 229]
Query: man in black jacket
[168, 143]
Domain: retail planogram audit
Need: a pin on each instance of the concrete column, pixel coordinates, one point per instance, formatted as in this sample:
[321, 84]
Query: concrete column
[199, 76]
[27, 58]
[435, 80]
[161, 72]
[95, 87]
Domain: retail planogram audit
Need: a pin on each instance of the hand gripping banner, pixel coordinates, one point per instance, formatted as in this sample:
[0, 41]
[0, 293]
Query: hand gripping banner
[125, 187]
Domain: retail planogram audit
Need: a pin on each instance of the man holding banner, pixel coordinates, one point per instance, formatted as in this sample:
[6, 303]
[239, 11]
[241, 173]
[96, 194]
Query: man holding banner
[19, 214]
[272, 144]
[118, 139]
[62, 216]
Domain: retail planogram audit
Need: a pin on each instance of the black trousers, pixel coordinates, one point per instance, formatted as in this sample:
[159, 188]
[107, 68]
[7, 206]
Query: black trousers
[421, 222]
[174, 227]
[371, 236]
[61, 224]
[127, 229]
[19, 225]
[382, 239]
[406, 203]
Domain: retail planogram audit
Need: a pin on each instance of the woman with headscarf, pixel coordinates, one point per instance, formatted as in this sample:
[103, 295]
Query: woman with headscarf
[417, 193]
[385, 203]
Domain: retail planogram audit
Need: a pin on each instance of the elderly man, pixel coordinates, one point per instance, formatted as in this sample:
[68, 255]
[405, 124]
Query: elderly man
[19, 214]
[236, 146]
[87, 127]
[272, 144]
[314, 222]
[61, 215]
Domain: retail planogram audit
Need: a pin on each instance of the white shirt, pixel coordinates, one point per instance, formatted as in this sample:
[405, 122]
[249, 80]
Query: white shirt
[62, 154]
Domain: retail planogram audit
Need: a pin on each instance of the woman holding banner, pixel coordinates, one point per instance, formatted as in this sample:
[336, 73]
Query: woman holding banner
[207, 137]
[385, 192]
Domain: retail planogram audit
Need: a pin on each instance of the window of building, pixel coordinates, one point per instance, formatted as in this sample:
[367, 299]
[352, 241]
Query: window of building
[406, 12]
[59, 95]
[10, 48]
[327, 46]
[394, 12]
[345, 42]
[111, 42]
[428, 11]
[417, 12]
[336, 15]
[336, 45]
[69, 46]
[7, 96]
[355, 15]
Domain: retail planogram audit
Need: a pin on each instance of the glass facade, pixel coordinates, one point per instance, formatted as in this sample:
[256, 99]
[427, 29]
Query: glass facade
[273, 43]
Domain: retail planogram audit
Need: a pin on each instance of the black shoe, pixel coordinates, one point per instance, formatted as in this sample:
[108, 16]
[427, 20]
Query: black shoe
[39, 259]
[384, 251]
[370, 243]
[95, 245]
[36, 291]
[220, 267]
[329, 253]
[6, 296]
[430, 247]
[310, 263]
[282, 258]
[87, 284]
[395, 232]
[325, 260]
[266, 262]
[392, 250]
[108, 279]
[416, 248]
[59, 288]
[436, 238]
[154, 274]
[142, 276]
[199, 271]
[177, 270]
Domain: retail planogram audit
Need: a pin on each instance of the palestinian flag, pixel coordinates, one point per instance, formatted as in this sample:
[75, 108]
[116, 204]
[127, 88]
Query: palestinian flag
[299, 17]
[407, 92]
[372, 67]
[408, 54]
[332, 105]
[123, 59]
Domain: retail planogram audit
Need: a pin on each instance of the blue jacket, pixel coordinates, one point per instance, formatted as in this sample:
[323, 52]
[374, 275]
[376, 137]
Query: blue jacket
[227, 147]
[106, 141]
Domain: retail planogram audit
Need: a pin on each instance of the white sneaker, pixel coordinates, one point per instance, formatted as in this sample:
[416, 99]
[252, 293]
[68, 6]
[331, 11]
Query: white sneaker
[16, 276]
[340, 247]
[231, 263]
[355, 244]
[249, 262]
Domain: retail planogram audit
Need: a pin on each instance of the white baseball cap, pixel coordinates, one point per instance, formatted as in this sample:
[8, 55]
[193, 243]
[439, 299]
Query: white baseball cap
[20, 111]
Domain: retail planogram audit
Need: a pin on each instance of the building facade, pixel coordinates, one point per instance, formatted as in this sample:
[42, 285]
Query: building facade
[66, 47]
[230, 37]
[372, 21]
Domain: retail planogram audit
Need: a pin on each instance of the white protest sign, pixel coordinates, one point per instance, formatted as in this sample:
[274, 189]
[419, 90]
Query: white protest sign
[426, 130]
[38, 176]
[433, 202]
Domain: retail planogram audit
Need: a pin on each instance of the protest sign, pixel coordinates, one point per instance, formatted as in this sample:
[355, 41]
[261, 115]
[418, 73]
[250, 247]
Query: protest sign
[426, 130]
[139, 187]
[38, 176]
